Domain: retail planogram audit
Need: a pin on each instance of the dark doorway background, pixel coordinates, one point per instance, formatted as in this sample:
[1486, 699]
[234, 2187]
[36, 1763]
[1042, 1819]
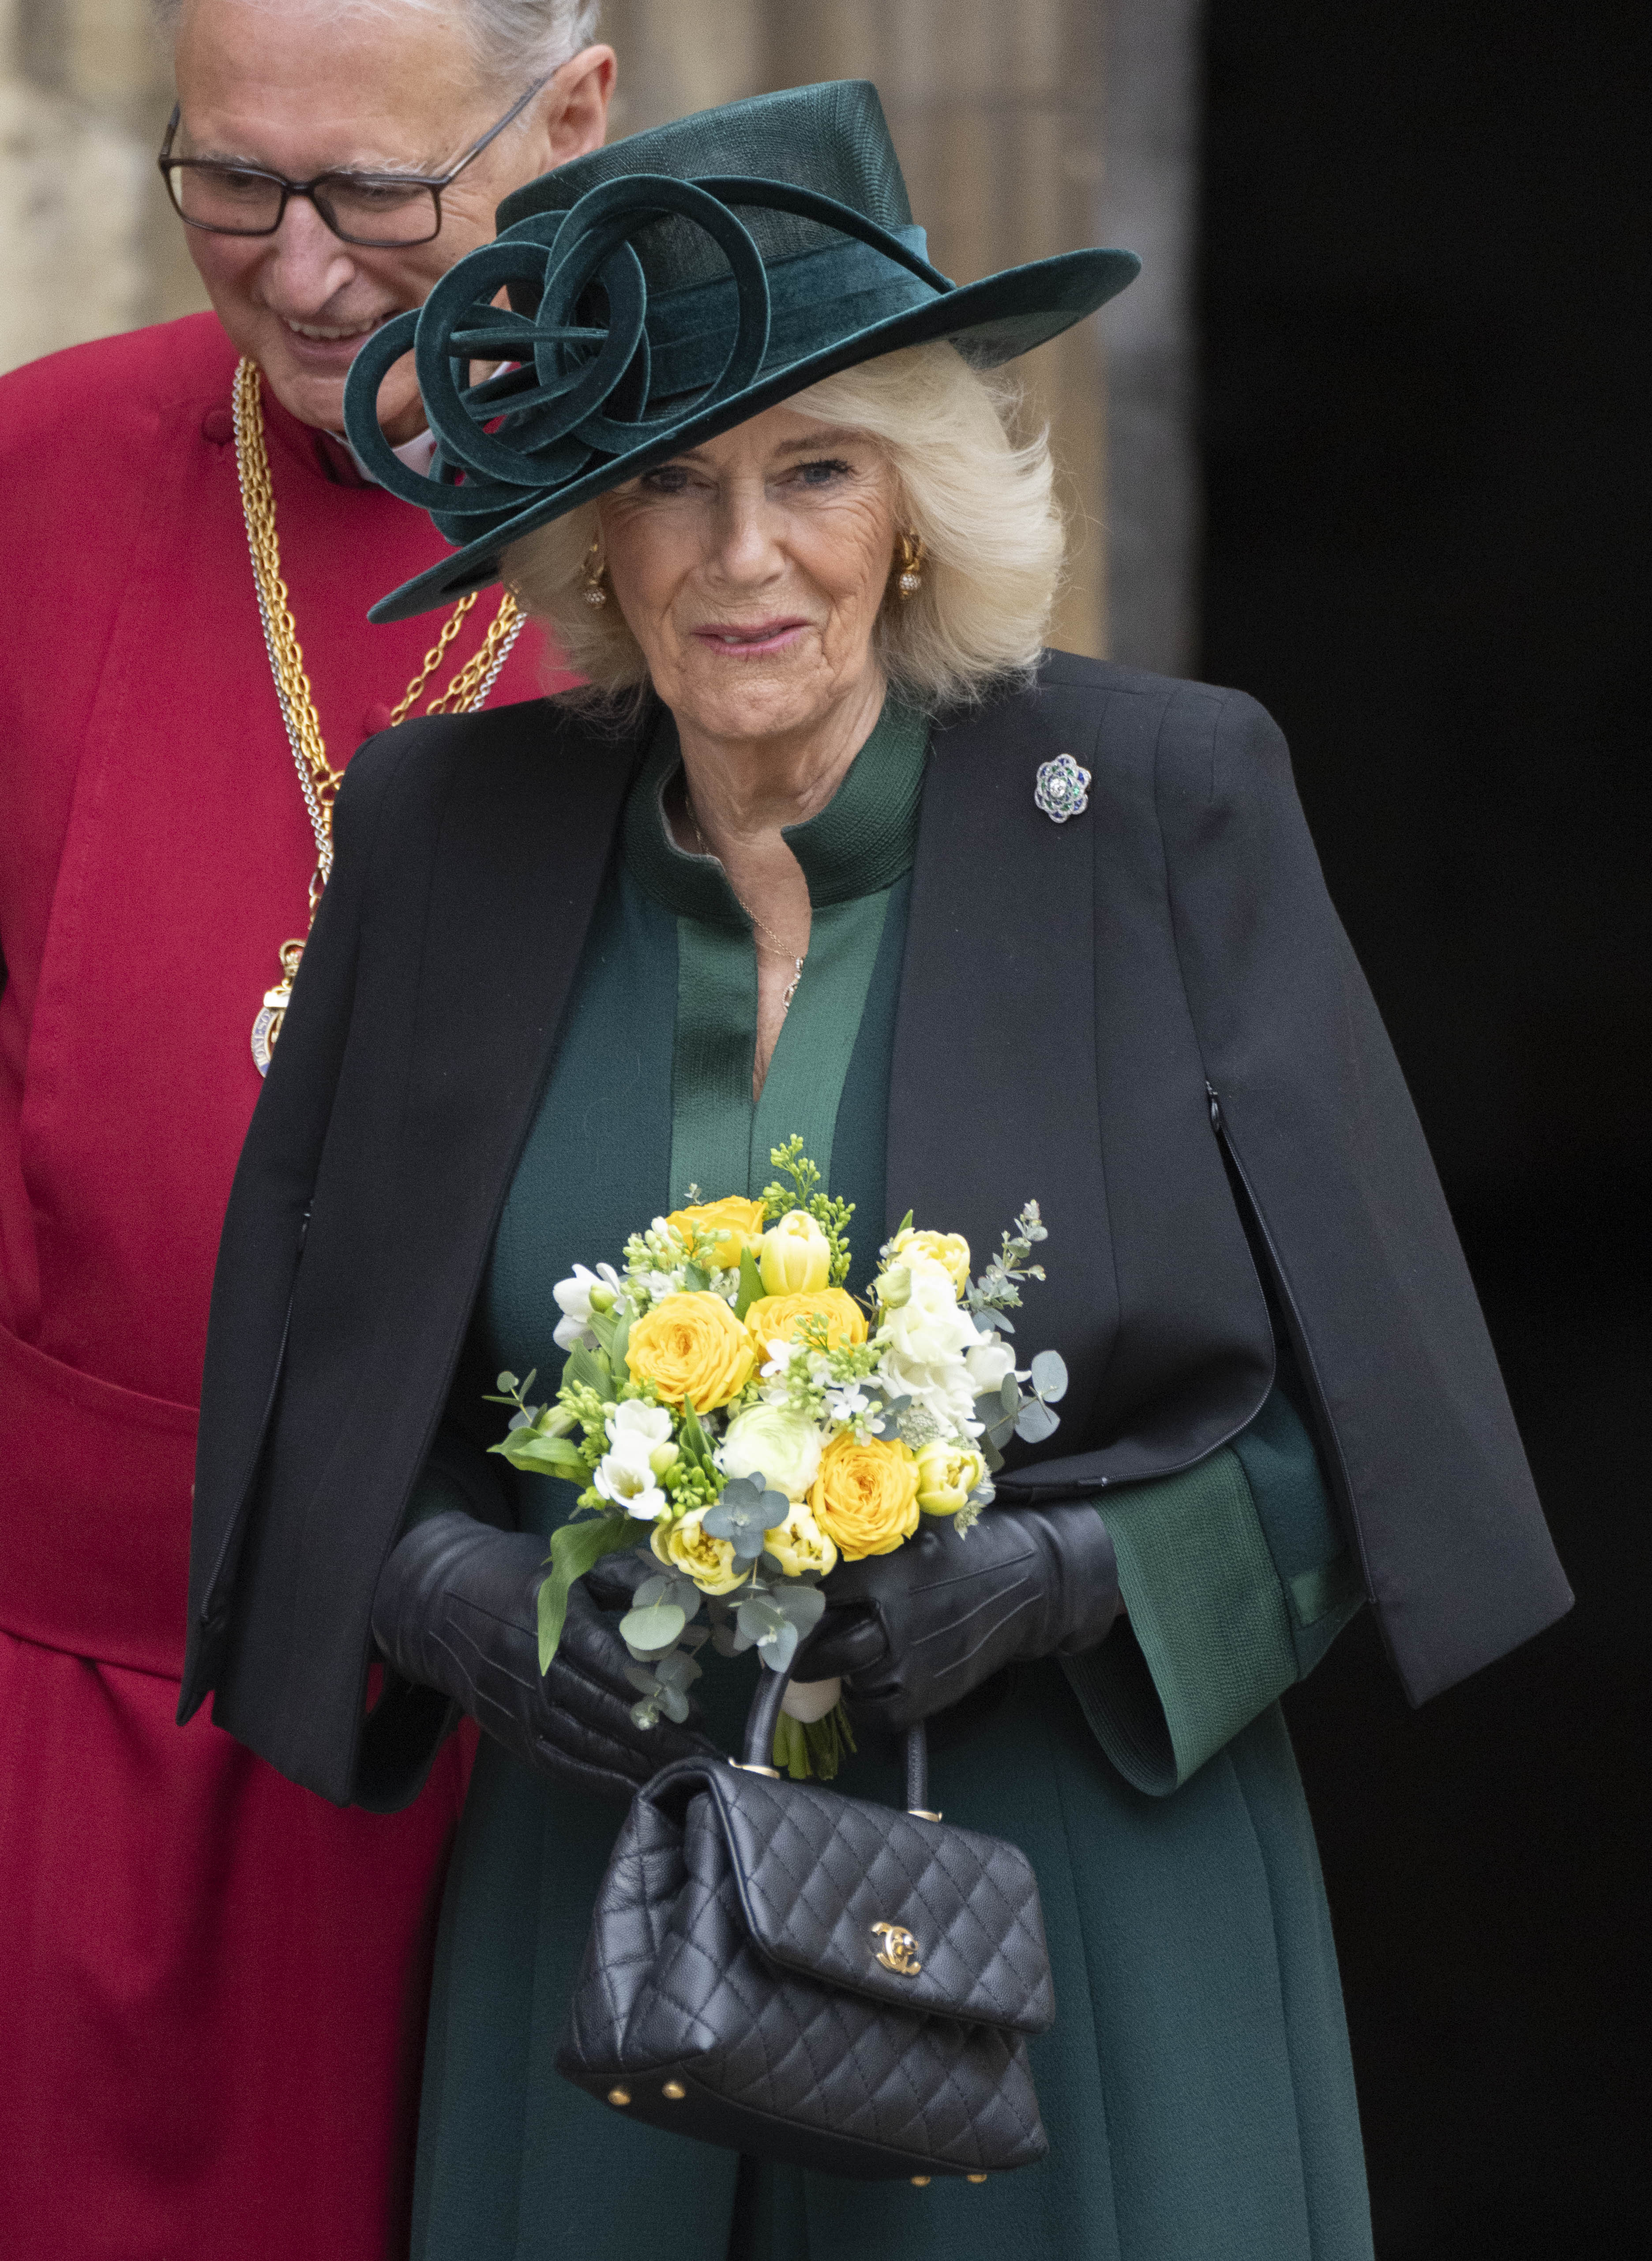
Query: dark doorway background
[1424, 310]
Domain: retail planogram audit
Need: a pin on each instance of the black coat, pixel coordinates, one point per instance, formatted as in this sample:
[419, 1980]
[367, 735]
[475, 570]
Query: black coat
[1149, 1017]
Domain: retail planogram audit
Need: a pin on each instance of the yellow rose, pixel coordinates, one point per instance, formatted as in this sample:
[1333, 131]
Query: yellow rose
[799, 1544]
[737, 1222]
[687, 1545]
[776, 1318]
[947, 1474]
[865, 1498]
[693, 1349]
[948, 1249]
[795, 1257]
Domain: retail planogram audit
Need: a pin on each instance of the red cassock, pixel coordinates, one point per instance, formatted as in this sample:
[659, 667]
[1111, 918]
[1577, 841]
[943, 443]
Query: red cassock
[211, 1984]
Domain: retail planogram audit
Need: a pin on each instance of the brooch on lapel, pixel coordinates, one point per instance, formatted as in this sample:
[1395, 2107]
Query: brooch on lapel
[1063, 789]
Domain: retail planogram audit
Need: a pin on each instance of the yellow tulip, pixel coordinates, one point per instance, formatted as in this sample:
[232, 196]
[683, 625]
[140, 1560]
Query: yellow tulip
[796, 1256]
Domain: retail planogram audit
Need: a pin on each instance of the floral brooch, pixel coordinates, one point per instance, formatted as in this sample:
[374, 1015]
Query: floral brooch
[1062, 789]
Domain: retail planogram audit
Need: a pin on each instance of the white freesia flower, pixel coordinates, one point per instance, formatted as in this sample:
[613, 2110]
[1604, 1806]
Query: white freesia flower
[625, 1476]
[573, 1300]
[783, 1445]
[637, 1425]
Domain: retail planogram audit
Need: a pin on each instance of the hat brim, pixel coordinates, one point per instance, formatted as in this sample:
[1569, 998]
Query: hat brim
[991, 321]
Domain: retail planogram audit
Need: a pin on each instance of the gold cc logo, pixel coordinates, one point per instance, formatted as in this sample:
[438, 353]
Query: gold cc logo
[900, 1950]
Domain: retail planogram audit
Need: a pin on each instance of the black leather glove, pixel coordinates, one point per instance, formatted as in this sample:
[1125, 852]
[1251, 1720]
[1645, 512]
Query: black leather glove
[455, 1609]
[914, 1632]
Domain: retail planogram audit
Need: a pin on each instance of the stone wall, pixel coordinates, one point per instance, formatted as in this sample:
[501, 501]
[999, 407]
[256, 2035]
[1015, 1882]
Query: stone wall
[1005, 112]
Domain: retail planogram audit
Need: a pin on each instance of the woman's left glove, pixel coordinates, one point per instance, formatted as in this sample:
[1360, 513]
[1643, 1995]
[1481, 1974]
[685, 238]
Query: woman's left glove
[914, 1632]
[457, 1608]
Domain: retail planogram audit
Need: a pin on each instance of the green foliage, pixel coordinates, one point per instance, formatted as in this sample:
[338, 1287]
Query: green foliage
[831, 1214]
[574, 1547]
[750, 1283]
[817, 1747]
[998, 1287]
[542, 1456]
[589, 1369]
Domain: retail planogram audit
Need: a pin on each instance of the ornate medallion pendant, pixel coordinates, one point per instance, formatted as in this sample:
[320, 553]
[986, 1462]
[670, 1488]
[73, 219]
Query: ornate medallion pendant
[267, 1027]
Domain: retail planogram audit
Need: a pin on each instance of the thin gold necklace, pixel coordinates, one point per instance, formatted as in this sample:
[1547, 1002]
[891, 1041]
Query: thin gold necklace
[317, 780]
[780, 947]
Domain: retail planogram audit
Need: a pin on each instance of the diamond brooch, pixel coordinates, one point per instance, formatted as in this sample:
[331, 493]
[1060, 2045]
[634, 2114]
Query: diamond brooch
[1063, 789]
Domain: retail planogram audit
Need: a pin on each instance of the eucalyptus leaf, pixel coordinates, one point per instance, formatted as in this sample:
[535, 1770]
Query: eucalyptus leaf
[991, 1455]
[641, 1676]
[652, 1591]
[777, 1650]
[672, 1702]
[506, 1382]
[759, 1617]
[726, 1641]
[804, 1605]
[677, 1671]
[655, 1627]
[1036, 1421]
[1049, 1377]
[1009, 1394]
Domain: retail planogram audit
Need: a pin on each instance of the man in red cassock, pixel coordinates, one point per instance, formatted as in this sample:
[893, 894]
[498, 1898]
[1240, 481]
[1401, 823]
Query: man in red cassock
[211, 1984]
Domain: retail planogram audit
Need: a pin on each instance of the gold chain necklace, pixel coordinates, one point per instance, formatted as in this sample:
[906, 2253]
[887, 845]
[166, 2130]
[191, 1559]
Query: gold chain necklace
[791, 987]
[317, 780]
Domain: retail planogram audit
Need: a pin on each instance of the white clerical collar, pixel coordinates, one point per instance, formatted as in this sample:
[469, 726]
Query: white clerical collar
[415, 453]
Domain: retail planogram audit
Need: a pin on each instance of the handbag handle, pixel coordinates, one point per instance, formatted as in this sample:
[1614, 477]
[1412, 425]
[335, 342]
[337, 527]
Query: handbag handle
[761, 1720]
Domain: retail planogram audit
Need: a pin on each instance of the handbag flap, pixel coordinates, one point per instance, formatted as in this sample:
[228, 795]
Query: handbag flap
[936, 1920]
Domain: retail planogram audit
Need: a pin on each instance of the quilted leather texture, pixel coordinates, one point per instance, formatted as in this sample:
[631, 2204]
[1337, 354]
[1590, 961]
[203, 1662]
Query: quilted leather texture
[679, 1984]
[815, 1871]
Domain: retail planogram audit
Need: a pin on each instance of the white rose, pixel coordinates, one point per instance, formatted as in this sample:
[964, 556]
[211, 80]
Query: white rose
[929, 1328]
[989, 1362]
[783, 1445]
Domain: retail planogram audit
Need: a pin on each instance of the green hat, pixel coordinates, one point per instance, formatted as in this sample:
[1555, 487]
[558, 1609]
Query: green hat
[645, 316]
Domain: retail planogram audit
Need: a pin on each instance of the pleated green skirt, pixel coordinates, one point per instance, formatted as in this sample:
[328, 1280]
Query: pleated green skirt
[1196, 2088]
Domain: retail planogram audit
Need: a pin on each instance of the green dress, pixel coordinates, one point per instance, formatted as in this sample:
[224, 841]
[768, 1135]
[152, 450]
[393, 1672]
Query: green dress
[1197, 2087]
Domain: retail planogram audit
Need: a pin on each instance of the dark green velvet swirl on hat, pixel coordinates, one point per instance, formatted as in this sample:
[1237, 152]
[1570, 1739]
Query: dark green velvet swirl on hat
[665, 290]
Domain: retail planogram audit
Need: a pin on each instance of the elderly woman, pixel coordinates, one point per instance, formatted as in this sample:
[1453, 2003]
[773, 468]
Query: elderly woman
[831, 846]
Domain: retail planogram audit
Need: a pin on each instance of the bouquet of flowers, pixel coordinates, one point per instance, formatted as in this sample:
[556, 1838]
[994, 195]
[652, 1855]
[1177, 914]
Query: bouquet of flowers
[724, 1390]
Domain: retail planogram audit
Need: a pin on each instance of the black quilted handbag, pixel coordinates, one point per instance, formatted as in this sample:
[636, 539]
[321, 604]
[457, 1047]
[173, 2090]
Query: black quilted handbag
[812, 1980]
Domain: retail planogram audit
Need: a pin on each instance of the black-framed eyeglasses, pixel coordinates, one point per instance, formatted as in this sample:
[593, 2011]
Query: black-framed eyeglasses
[385, 210]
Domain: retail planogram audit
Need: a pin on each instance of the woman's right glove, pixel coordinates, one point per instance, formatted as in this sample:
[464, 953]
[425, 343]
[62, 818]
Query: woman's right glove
[457, 1608]
[913, 1633]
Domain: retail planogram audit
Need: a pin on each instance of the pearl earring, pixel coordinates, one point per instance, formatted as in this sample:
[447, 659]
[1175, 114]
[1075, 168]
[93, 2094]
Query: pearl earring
[591, 588]
[910, 561]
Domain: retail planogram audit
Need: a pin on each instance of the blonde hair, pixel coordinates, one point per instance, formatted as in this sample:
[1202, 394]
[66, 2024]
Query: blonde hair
[980, 499]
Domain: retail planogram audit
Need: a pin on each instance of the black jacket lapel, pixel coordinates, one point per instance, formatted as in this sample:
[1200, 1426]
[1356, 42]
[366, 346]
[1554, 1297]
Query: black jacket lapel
[1043, 1047]
[493, 847]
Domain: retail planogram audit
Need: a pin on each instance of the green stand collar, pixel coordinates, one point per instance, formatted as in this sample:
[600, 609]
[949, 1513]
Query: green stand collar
[861, 842]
